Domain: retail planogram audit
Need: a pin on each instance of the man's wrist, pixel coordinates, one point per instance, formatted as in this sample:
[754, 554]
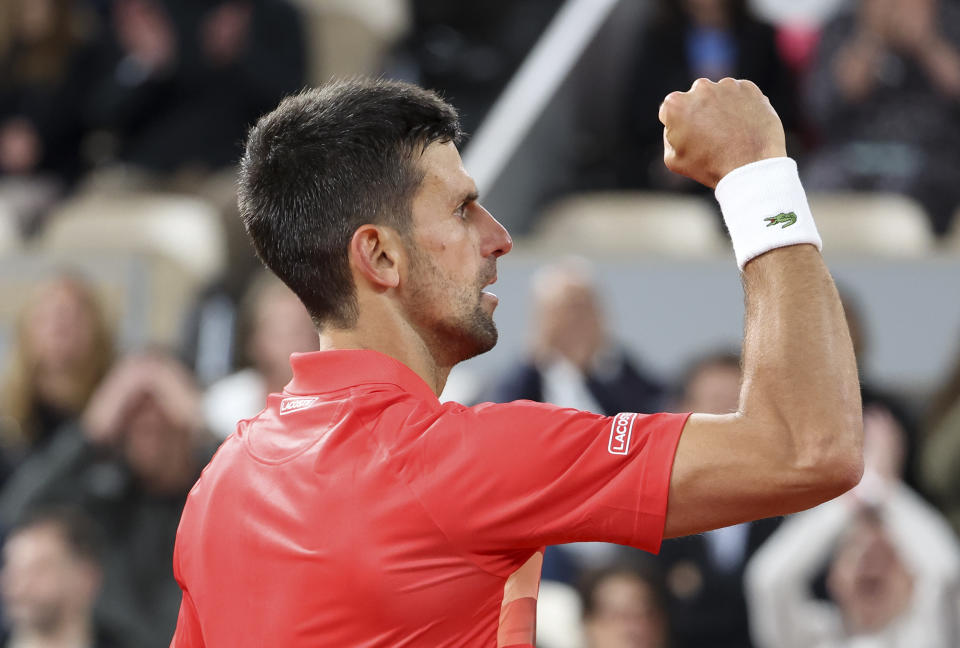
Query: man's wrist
[765, 207]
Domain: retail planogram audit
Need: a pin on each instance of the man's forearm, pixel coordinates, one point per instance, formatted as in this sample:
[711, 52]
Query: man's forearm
[799, 367]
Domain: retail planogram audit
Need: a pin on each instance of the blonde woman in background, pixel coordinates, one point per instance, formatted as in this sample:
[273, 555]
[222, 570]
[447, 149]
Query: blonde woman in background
[62, 350]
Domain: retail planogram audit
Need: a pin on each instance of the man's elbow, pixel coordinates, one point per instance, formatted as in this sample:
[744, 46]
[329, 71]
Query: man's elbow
[847, 471]
[827, 457]
[835, 465]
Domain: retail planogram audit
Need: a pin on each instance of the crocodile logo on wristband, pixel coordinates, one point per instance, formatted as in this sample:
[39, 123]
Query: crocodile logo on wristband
[785, 219]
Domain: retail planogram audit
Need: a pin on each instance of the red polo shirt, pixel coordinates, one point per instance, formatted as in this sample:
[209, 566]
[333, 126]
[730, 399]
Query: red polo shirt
[357, 510]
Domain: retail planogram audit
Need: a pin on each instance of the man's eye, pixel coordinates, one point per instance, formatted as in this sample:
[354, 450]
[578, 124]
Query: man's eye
[461, 211]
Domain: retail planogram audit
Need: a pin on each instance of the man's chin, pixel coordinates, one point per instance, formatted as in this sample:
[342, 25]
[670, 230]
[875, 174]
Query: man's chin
[482, 336]
[484, 342]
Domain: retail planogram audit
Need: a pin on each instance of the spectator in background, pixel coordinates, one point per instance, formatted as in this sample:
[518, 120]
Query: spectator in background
[50, 581]
[574, 361]
[885, 93]
[468, 51]
[683, 41]
[129, 464]
[939, 460]
[893, 572]
[182, 83]
[48, 62]
[623, 607]
[277, 326]
[704, 573]
[188, 77]
[62, 351]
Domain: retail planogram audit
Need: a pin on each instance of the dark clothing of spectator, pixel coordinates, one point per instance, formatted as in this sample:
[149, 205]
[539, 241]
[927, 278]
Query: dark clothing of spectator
[672, 53]
[622, 389]
[102, 638]
[47, 422]
[194, 112]
[140, 598]
[903, 136]
[938, 464]
[705, 596]
[51, 106]
[469, 51]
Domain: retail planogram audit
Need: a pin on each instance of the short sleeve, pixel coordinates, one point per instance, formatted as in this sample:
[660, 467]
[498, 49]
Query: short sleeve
[500, 477]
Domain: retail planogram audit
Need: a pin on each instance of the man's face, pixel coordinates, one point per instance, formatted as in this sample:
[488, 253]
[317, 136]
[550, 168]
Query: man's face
[867, 578]
[42, 583]
[569, 320]
[452, 248]
[157, 449]
[61, 328]
[281, 326]
[626, 615]
[714, 389]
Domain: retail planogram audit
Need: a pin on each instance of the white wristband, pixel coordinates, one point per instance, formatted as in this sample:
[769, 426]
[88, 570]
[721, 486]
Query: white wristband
[765, 207]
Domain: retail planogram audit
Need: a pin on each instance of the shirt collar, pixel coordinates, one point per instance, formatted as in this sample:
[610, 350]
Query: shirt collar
[325, 371]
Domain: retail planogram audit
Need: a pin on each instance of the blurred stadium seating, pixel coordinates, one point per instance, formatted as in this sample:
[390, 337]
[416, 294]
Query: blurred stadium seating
[652, 224]
[347, 38]
[872, 224]
[183, 229]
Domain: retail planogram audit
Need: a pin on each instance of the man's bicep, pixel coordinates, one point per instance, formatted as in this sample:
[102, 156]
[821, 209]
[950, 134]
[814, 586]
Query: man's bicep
[727, 470]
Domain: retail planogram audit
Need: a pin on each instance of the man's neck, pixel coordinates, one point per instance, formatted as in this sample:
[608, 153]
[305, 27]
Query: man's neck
[395, 338]
[75, 633]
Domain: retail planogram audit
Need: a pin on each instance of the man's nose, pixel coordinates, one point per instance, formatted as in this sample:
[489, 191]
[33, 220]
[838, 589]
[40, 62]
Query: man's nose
[497, 239]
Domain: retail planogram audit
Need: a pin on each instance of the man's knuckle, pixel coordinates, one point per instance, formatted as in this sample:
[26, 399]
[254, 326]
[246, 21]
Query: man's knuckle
[701, 83]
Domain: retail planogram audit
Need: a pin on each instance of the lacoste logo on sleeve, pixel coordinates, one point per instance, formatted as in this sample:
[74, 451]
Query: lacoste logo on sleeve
[785, 219]
[621, 429]
[288, 405]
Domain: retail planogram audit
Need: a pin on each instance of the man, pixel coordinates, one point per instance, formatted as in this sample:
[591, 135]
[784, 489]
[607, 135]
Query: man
[50, 580]
[883, 94]
[356, 510]
[625, 607]
[893, 564]
[128, 463]
[573, 360]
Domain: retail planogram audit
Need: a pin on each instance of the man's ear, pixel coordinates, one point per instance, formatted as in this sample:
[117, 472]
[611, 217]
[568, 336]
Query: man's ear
[376, 252]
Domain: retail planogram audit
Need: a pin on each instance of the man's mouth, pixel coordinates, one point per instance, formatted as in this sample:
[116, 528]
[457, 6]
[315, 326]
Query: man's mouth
[487, 293]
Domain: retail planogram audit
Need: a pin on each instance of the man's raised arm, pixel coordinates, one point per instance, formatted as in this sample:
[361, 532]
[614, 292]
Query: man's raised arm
[796, 440]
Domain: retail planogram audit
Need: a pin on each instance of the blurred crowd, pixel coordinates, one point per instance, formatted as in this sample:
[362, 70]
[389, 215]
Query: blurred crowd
[868, 90]
[879, 566]
[99, 444]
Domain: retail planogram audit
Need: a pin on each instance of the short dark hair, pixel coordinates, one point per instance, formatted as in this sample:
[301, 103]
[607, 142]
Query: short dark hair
[725, 358]
[82, 536]
[326, 161]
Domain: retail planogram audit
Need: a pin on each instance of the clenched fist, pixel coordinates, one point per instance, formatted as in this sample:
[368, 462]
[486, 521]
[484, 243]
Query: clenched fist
[713, 128]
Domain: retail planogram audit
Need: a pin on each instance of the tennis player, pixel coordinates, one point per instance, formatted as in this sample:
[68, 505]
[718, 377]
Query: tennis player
[357, 510]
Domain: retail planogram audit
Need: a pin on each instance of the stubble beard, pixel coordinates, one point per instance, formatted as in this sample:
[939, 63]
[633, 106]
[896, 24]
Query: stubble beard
[453, 337]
